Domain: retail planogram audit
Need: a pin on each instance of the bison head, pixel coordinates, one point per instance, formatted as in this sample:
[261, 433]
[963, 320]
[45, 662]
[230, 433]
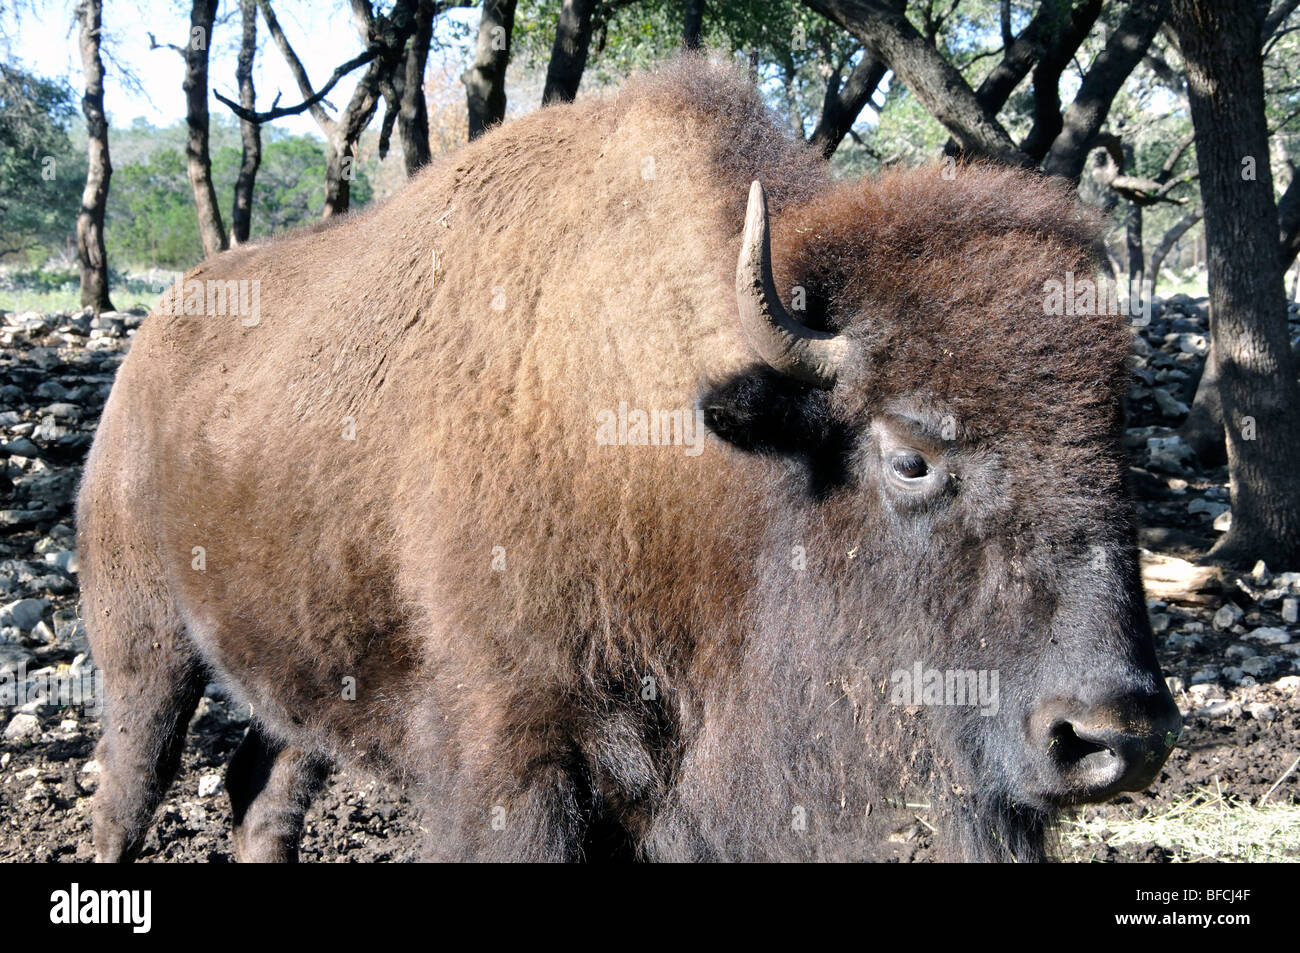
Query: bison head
[954, 475]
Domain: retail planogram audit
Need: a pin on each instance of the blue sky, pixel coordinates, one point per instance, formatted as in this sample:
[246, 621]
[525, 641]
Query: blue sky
[43, 37]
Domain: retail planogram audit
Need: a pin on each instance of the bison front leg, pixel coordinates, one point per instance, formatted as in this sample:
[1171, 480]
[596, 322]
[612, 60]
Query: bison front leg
[270, 787]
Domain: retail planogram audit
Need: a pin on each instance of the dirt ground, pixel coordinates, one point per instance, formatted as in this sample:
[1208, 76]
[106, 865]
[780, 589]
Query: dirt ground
[1241, 727]
[45, 788]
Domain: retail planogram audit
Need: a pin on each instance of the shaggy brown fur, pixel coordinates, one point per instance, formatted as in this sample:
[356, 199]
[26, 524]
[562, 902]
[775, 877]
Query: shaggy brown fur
[637, 669]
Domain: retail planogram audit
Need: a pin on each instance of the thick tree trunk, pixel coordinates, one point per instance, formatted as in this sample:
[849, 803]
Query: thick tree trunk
[843, 103]
[693, 24]
[91, 254]
[485, 81]
[1248, 317]
[339, 163]
[199, 164]
[569, 52]
[250, 133]
[413, 123]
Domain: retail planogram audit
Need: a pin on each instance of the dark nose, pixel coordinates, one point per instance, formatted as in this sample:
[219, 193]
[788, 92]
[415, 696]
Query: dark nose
[1095, 751]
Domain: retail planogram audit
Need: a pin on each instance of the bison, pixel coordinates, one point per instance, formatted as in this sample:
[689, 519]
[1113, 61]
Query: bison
[630, 489]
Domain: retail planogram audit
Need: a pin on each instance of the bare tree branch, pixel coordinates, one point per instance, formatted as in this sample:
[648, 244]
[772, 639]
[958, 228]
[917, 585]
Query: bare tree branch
[886, 31]
[295, 66]
[843, 103]
[1122, 52]
[1053, 27]
[1275, 19]
[277, 112]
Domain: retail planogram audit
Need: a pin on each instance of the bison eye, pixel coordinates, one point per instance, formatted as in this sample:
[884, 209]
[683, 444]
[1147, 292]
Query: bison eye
[910, 475]
[909, 465]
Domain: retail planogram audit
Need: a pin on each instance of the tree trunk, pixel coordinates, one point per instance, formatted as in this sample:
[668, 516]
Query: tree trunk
[789, 76]
[1166, 245]
[1203, 428]
[211, 230]
[693, 24]
[569, 52]
[1065, 29]
[1288, 218]
[413, 124]
[250, 133]
[1124, 49]
[1133, 253]
[843, 104]
[384, 54]
[341, 146]
[339, 162]
[1061, 143]
[885, 30]
[485, 81]
[1248, 316]
[91, 254]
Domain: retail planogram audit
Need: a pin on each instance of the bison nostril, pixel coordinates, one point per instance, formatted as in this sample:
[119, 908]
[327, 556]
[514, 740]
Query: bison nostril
[1067, 747]
[1091, 752]
[1092, 761]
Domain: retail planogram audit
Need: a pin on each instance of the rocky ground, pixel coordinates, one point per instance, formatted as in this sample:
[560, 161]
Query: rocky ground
[1230, 644]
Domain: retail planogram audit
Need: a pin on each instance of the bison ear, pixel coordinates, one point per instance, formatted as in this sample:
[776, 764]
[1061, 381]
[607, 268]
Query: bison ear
[764, 411]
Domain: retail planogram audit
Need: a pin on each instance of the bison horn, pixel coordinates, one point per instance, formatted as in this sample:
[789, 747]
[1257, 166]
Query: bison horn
[788, 346]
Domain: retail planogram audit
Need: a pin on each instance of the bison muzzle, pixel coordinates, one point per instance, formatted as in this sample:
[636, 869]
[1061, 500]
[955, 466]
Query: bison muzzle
[622, 520]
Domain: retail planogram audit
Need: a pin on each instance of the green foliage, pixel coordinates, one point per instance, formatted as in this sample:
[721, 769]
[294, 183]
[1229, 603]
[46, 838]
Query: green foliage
[290, 188]
[41, 175]
[41, 280]
[906, 133]
[637, 35]
[151, 220]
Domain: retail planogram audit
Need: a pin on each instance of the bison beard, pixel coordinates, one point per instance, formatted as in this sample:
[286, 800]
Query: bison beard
[379, 513]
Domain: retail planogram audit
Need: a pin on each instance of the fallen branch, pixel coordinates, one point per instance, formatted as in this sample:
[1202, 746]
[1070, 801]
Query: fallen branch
[1285, 775]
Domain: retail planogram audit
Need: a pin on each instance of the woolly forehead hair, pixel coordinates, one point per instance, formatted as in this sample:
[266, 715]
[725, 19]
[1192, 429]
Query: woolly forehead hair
[945, 280]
